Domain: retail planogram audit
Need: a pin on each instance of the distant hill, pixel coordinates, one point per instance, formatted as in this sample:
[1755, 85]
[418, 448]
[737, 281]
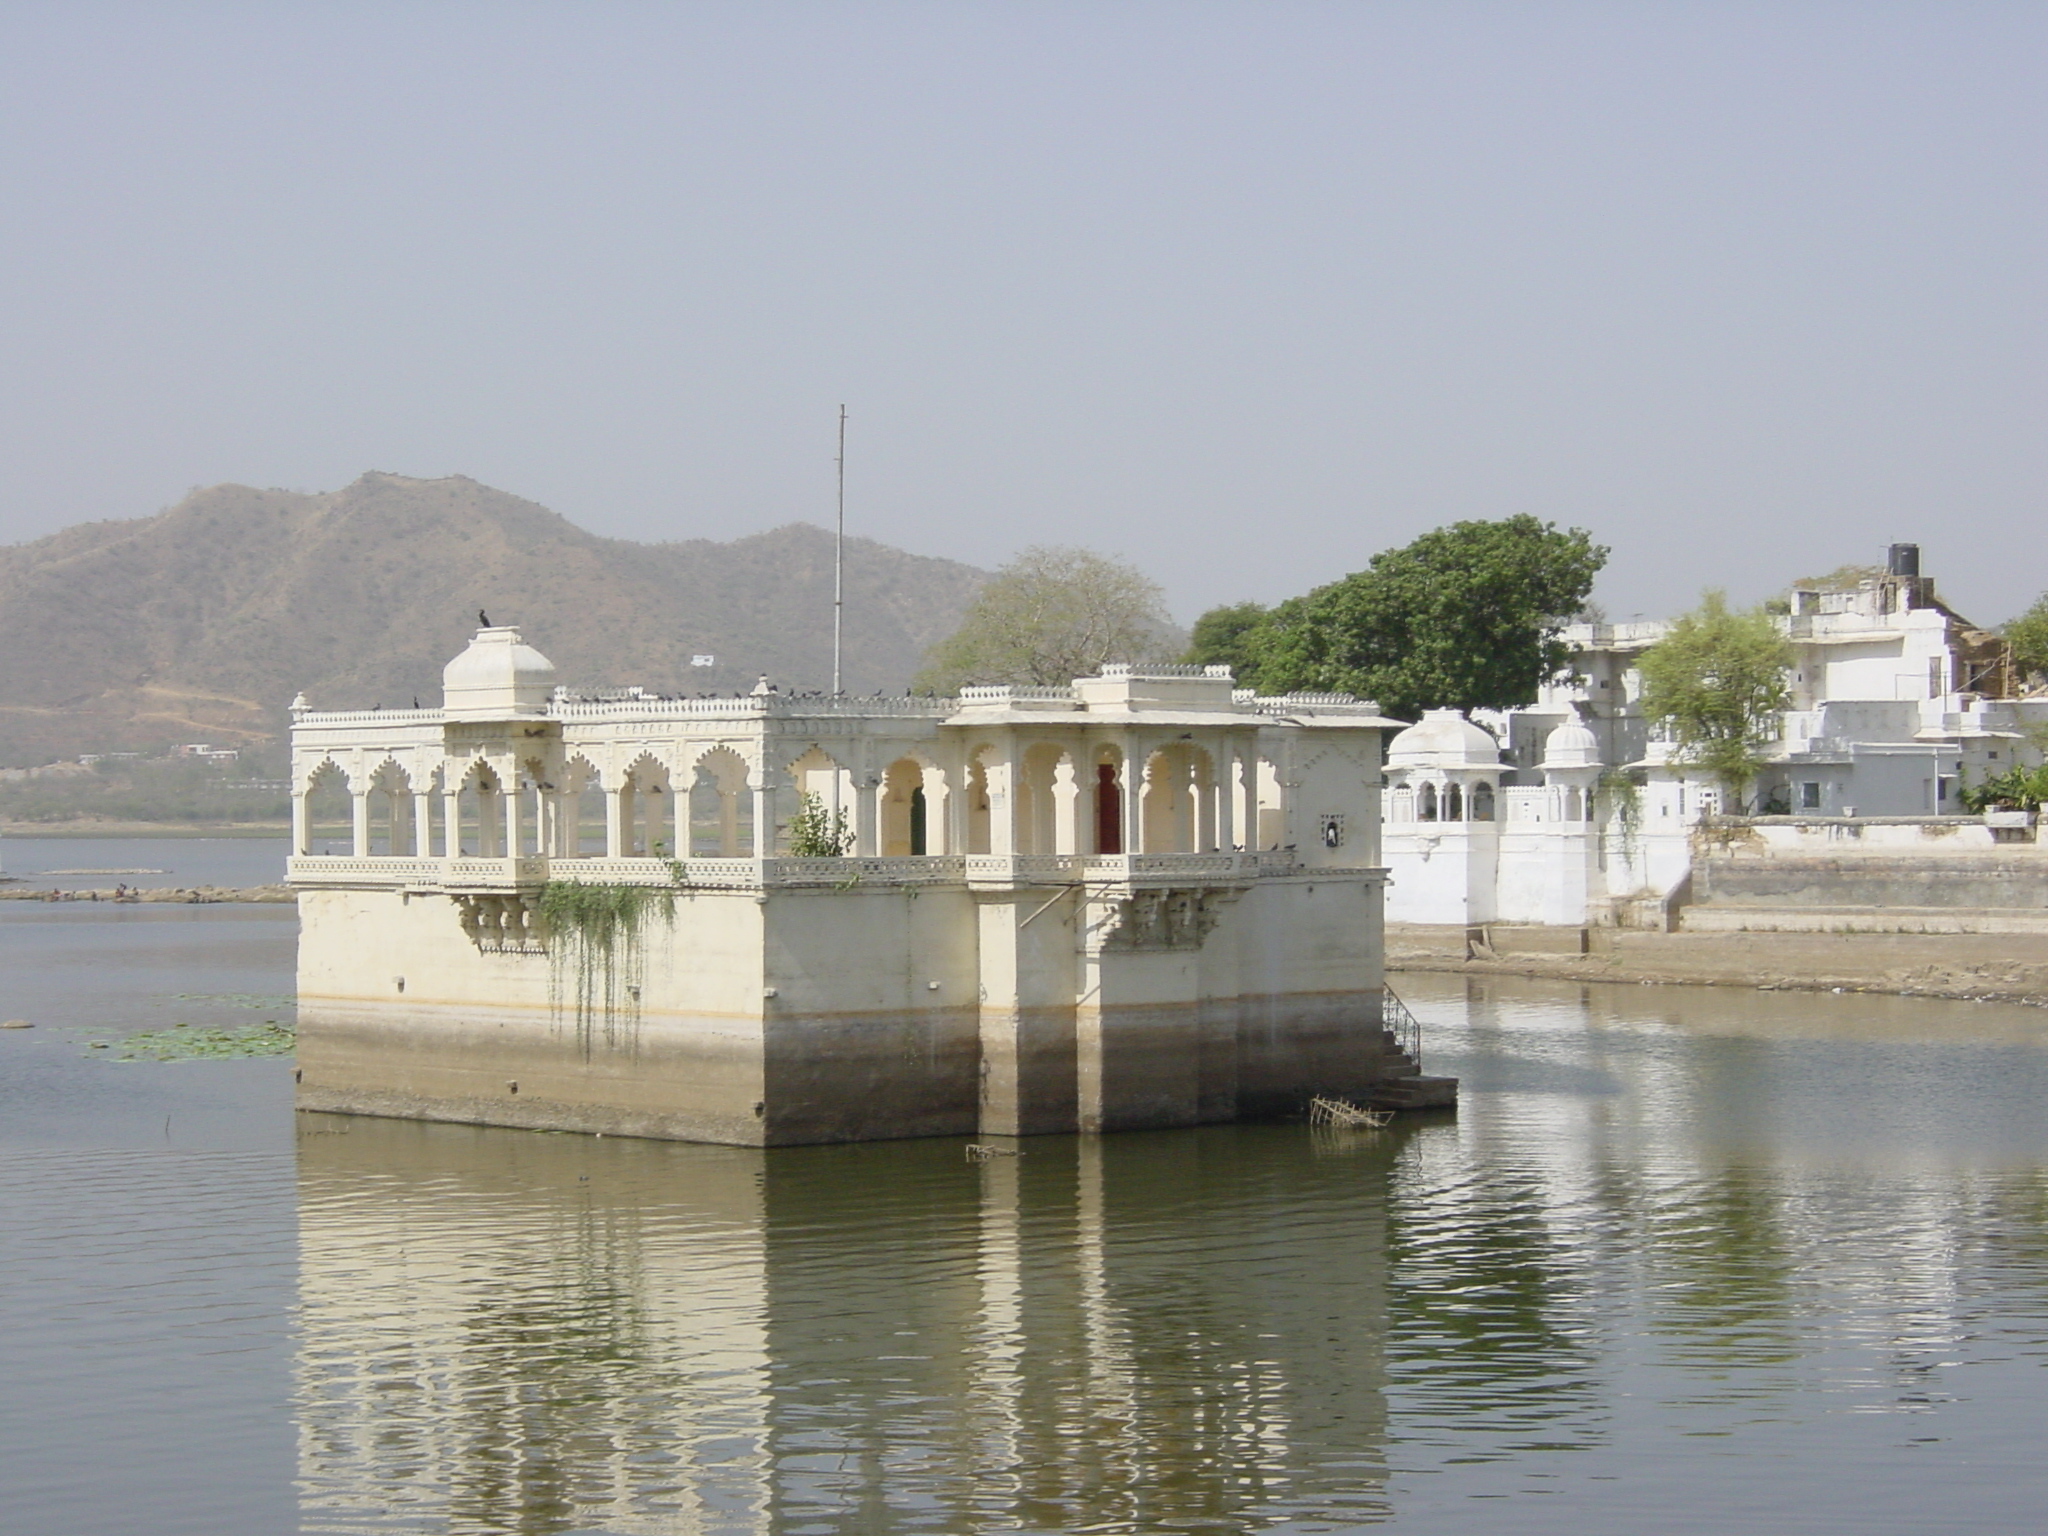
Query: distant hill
[199, 624]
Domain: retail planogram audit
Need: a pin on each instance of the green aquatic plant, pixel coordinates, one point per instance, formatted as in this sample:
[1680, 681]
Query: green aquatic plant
[269, 1002]
[597, 954]
[190, 1042]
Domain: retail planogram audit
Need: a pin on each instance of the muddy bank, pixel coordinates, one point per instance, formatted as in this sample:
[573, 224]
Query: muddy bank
[198, 895]
[2009, 968]
[88, 827]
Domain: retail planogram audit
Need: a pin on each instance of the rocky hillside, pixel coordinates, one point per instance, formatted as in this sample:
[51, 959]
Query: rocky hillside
[200, 624]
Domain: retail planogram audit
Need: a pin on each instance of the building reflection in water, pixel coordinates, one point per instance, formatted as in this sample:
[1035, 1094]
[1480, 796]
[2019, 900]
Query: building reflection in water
[503, 1331]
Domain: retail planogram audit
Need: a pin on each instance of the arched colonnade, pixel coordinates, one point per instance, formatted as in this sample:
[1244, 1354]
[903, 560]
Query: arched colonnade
[1009, 796]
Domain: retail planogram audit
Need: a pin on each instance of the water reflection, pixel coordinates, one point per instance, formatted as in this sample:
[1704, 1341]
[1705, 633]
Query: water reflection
[506, 1332]
[1667, 1264]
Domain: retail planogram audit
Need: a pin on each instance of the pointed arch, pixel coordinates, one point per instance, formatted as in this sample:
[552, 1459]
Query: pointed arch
[720, 806]
[911, 808]
[1108, 795]
[389, 813]
[646, 809]
[579, 809]
[321, 808]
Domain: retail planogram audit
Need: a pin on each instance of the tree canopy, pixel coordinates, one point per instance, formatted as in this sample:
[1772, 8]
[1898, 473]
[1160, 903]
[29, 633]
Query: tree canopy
[1717, 683]
[2028, 635]
[1218, 638]
[1465, 617]
[1052, 614]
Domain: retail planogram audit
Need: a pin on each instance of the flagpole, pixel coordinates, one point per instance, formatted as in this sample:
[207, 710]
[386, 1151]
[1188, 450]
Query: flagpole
[839, 561]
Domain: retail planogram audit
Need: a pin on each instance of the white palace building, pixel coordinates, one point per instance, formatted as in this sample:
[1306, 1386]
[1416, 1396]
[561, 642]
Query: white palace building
[1148, 899]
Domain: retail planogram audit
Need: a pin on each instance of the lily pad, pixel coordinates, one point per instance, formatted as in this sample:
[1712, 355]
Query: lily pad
[187, 1042]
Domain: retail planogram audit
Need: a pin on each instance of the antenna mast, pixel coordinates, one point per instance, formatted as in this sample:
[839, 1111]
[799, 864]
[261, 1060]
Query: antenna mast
[839, 559]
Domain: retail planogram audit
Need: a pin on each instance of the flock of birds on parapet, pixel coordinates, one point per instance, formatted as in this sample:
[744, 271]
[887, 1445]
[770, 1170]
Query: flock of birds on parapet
[484, 619]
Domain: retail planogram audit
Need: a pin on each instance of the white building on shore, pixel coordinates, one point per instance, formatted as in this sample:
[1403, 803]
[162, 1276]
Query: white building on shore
[1571, 812]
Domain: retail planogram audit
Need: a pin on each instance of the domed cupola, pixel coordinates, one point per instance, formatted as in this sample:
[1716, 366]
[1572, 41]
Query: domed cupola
[1571, 745]
[497, 678]
[1443, 739]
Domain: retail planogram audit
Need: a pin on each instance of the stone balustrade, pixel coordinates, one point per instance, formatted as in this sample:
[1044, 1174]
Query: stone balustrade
[482, 874]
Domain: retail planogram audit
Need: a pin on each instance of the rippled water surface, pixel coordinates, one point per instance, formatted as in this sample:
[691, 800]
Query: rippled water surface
[1687, 1260]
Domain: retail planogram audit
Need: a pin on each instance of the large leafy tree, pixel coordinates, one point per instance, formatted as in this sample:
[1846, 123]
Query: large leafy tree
[1717, 683]
[1051, 615]
[2028, 635]
[1219, 637]
[1466, 617]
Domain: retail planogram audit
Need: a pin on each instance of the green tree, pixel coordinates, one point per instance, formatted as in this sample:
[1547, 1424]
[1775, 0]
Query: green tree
[1717, 683]
[2028, 636]
[1219, 636]
[1466, 617]
[816, 833]
[1049, 616]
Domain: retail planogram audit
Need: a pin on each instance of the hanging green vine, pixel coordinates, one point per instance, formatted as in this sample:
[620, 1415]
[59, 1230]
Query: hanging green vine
[597, 952]
[1624, 797]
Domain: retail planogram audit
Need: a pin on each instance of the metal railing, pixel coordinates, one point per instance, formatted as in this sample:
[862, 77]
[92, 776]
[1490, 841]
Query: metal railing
[1397, 1021]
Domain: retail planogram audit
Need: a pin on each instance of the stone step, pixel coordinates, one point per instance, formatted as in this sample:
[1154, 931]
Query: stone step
[1843, 918]
[1415, 1092]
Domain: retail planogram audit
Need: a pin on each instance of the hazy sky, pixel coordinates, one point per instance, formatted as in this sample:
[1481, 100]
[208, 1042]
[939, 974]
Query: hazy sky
[1244, 292]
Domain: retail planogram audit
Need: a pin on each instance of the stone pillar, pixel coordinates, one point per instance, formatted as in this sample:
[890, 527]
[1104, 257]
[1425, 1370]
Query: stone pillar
[513, 797]
[359, 805]
[616, 807]
[1226, 794]
[302, 818]
[1067, 800]
[764, 814]
[956, 807]
[866, 815]
[1028, 1084]
[1002, 802]
[1135, 840]
[451, 820]
[423, 824]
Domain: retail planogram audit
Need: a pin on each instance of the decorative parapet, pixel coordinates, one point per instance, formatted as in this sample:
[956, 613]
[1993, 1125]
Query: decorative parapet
[1161, 669]
[476, 875]
[392, 717]
[571, 708]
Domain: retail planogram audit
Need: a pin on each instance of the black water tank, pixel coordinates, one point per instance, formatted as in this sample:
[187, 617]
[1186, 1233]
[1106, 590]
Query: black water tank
[1904, 560]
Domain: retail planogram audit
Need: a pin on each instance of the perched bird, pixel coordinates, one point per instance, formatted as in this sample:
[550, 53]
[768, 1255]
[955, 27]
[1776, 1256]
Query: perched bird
[483, 618]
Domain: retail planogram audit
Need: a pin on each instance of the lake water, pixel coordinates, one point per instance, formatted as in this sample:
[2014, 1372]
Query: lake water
[1687, 1260]
[88, 863]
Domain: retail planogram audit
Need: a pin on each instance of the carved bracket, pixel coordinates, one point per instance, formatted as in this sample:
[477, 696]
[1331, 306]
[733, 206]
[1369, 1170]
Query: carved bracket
[1167, 918]
[503, 925]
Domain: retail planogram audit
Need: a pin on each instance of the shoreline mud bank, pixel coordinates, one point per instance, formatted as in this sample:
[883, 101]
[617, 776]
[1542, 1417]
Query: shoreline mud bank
[1989, 967]
[198, 895]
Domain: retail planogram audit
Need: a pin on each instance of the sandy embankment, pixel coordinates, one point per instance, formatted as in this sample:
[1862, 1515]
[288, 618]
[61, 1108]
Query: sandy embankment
[2002, 967]
[188, 895]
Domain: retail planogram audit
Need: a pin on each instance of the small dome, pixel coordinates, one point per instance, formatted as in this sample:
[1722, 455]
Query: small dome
[1443, 738]
[499, 675]
[1571, 745]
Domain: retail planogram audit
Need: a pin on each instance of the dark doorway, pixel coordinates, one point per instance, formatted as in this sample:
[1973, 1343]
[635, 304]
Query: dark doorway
[917, 847]
[1109, 810]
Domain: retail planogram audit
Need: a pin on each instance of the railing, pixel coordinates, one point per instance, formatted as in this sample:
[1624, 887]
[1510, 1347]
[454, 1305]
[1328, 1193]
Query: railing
[480, 874]
[1005, 693]
[777, 706]
[1397, 1021]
